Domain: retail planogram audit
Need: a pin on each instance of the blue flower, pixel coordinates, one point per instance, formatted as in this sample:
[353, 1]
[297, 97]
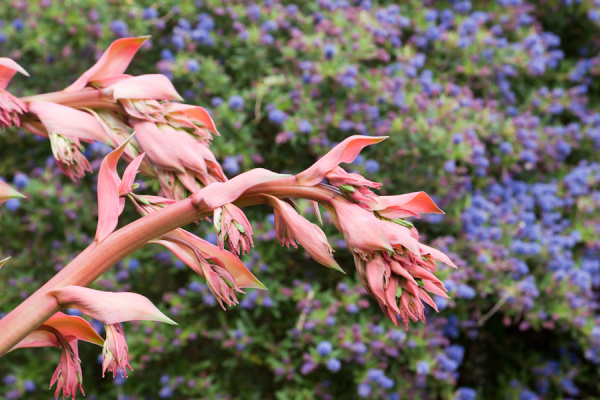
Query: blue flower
[465, 393]
[193, 65]
[334, 365]
[324, 348]
[150, 13]
[277, 116]
[371, 166]
[119, 28]
[364, 390]
[329, 50]
[236, 102]
[12, 204]
[423, 368]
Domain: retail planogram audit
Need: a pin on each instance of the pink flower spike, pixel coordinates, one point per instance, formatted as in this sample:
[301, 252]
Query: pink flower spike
[243, 277]
[68, 121]
[233, 227]
[68, 376]
[345, 152]
[7, 192]
[151, 86]
[115, 351]
[290, 225]
[405, 205]
[108, 307]
[114, 61]
[8, 69]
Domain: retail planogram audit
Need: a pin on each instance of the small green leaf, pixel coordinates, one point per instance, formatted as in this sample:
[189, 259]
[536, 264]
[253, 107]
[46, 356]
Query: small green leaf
[420, 282]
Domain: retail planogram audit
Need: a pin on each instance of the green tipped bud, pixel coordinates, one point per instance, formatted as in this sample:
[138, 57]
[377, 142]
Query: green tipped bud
[420, 282]
[347, 189]
[404, 222]
[399, 292]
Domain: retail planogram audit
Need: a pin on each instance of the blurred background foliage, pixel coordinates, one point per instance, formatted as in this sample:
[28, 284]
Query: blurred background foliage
[490, 107]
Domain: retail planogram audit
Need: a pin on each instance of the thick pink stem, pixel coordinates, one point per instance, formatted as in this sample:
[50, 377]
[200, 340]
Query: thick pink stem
[97, 259]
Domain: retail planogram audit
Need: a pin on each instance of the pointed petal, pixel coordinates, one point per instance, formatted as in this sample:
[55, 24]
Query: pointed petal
[346, 152]
[7, 192]
[220, 193]
[405, 205]
[129, 175]
[375, 272]
[8, 68]
[38, 338]
[2, 262]
[436, 255]
[68, 121]
[108, 307]
[317, 210]
[151, 86]
[109, 207]
[114, 61]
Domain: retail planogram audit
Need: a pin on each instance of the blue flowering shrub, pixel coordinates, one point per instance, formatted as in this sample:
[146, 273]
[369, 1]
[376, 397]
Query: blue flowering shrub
[491, 107]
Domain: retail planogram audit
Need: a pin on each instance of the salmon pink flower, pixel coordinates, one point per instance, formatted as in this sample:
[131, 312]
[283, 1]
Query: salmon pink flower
[115, 351]
[63, 331]
[233, 227]
[291, 227]
[68, 376]
[10, 106]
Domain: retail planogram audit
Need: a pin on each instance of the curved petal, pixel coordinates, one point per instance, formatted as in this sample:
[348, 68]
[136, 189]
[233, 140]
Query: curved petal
[8, 69]
[108, 307]
[114, 61]
[196, 113]
[108, 193]
[345, 152]
[66, 325]
[405, 205]
[68, 121]
[152, 86]
[218, 194]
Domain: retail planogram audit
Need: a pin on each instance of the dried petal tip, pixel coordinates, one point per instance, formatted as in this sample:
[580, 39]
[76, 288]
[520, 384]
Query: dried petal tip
[108, 307]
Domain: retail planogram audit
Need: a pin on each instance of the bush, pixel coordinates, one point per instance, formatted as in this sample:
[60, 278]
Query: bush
[491, 106]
